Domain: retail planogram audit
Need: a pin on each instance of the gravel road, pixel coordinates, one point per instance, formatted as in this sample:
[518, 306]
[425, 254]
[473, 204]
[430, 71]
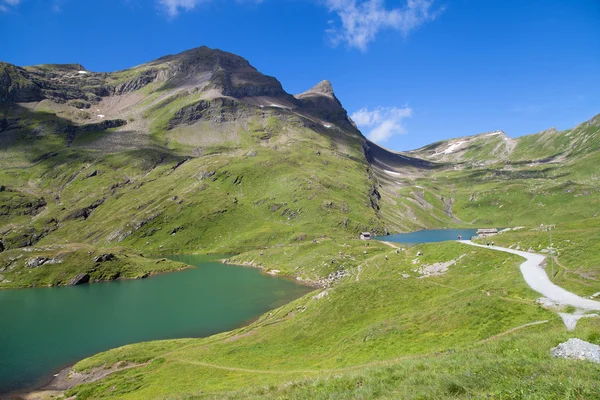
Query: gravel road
[538, 280]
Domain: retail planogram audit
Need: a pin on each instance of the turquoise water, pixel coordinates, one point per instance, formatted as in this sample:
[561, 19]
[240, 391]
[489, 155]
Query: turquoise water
[434, 235]
[45, 329]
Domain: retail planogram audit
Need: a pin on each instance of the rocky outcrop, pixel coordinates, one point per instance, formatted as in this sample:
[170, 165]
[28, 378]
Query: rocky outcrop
[105, 257]
[374, 197]
[217, 110]
[322, 102]
[140, 81]
[77, 214]
[84, 213]
[16, 86]
[79, 279]
[230, 74]
[321, 89]
[73, 130]
[249, 83]
[35, 262]
[19, 203]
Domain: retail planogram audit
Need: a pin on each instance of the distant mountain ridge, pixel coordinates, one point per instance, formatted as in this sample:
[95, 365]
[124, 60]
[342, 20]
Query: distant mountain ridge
[494, 147]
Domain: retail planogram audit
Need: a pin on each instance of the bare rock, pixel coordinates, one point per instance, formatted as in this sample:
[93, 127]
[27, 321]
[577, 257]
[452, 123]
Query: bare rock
[105, 257]
[79, 279]
[35, 262]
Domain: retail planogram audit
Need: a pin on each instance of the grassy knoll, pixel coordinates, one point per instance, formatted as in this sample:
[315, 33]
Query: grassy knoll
[576, 248]
[60, 264]
[348, 339]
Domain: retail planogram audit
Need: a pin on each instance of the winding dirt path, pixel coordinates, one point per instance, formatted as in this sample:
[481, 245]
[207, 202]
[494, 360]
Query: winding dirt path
[537, 279]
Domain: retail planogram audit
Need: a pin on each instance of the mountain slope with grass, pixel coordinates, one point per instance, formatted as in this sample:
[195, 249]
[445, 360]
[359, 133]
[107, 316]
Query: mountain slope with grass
[200, 152]
[384, 328]
[192, 152]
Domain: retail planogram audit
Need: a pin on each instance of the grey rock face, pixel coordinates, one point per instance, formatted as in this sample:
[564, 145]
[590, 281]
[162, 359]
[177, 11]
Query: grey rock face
[217, 110]
[577, 349]
[15, 85]
[35, 262]
[79, 279]
[138, 82]
[323, 87]
[105, 257]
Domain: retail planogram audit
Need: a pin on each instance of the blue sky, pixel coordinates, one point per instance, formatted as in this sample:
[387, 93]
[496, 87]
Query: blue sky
[411, 72]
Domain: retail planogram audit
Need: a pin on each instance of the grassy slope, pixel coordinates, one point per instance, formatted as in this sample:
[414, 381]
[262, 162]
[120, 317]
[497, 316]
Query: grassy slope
[378, 335]
[248, 192]
[296, 185]
[64, 262]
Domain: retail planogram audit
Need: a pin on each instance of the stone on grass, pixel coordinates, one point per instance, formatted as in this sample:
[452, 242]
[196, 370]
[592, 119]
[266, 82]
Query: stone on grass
[577, 349]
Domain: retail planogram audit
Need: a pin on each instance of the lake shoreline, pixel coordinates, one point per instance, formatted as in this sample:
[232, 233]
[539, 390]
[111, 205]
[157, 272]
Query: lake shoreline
[265, 271]
[120, 278]
[58, 380]
[58, 384]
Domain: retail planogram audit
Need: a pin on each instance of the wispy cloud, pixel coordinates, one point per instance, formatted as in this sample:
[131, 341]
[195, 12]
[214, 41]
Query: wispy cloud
[382, 122]
[57, 5]
[359, 20]
[7, 5]
[10, 5]
[362, 20]
[173, 7]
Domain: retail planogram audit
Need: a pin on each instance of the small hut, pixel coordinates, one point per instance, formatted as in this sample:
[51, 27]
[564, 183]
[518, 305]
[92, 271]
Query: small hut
[365, 236]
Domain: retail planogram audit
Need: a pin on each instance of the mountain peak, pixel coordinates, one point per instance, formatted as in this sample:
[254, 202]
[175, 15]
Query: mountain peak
[204, 56]
[323, 88]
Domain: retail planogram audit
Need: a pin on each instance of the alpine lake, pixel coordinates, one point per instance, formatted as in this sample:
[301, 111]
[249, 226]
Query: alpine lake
[46, 329]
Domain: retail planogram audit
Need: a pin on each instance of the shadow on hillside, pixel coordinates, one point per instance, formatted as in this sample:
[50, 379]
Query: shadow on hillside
[48, 140]
[388, 160]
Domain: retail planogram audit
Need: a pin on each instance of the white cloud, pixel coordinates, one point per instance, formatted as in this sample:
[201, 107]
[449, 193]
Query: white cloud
[174, 7]
[361, 20]
[383, 122]
[5, 5]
